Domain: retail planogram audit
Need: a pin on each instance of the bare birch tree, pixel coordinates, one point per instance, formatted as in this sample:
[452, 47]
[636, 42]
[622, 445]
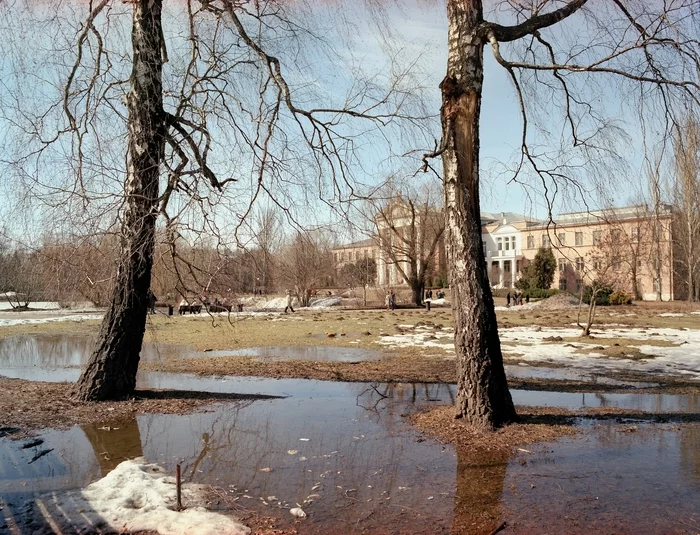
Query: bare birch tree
[653, 47]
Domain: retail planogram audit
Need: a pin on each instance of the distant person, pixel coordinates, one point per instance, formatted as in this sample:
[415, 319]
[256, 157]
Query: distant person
[392, 300]
[387, 300]
[289, 302]
[508, 299]
[429, 295]
[527, 298]
[151, 302]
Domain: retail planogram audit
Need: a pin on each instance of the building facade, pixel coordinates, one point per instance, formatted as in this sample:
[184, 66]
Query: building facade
[629, 248]
[502, 240]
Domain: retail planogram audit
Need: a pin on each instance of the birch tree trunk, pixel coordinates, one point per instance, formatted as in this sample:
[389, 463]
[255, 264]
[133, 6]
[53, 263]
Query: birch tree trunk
[111, 372]
[482, 389]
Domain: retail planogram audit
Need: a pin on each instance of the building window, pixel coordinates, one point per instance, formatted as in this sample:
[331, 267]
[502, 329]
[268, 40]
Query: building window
[545, 241]
[635, 234]
[562, 265]
[530, 242]
[639, 263]
[518, 266]
[579, 285]
[615, 235]
[597, 234]
[579, 264]
[562, 284]
[596, 264]
[483, 246]
[499, 241]
[561, 238]
[578, 238]
[335, 257]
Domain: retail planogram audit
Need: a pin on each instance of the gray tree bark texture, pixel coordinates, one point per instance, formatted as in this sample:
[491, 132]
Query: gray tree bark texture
[483, 397]
[111, 371]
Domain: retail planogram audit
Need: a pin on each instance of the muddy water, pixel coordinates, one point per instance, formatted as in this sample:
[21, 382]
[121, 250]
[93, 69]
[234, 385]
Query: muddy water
[371, 472]
[349, 445]
[359, 456]
[57, 352]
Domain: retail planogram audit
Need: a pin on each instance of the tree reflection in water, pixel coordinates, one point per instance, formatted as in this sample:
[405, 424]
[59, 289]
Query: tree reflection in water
[114, 442]
[480, 482]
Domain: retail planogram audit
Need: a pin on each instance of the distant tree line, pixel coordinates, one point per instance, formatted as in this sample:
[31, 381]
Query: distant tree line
[79, 269]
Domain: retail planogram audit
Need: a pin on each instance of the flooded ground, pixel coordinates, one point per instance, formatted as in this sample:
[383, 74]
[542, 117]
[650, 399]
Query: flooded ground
[55, 352]
[46, 357]
[344, 452]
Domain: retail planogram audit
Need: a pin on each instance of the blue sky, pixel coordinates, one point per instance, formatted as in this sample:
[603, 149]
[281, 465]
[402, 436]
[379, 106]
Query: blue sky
[418, 29]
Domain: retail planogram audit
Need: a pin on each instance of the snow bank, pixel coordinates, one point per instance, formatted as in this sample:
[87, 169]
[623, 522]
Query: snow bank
[35, 321]
[136, 497]
[438, 302]
[324, 302]
[36, 305]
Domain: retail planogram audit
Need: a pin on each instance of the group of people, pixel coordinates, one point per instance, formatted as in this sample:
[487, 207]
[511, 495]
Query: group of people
[390, 300]
[440, 294]
[517, 298]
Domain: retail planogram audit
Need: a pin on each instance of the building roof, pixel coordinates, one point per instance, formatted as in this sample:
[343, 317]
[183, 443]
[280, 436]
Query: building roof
[369, 242]
[488, 218]
[607, 215]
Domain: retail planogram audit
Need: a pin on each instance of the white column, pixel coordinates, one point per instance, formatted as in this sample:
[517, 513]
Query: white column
[500, 274]
[381, 262]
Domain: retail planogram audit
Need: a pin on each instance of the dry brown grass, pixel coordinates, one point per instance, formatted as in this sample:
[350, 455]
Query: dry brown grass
[400, 368]
[537, 425]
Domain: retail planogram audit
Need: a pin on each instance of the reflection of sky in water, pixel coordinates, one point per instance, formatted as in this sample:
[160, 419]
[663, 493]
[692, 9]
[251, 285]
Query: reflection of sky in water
[350, 447]
[642, 478]
[358, 440]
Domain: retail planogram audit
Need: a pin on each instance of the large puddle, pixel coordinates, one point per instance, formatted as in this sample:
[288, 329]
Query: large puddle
[56, 352]
[348, 447]
[345, 452]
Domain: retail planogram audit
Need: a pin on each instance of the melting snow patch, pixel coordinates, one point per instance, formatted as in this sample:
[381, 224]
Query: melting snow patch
[671, 315]
[136, 497]
[324, 302]
[542, 344]
[35, 321]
